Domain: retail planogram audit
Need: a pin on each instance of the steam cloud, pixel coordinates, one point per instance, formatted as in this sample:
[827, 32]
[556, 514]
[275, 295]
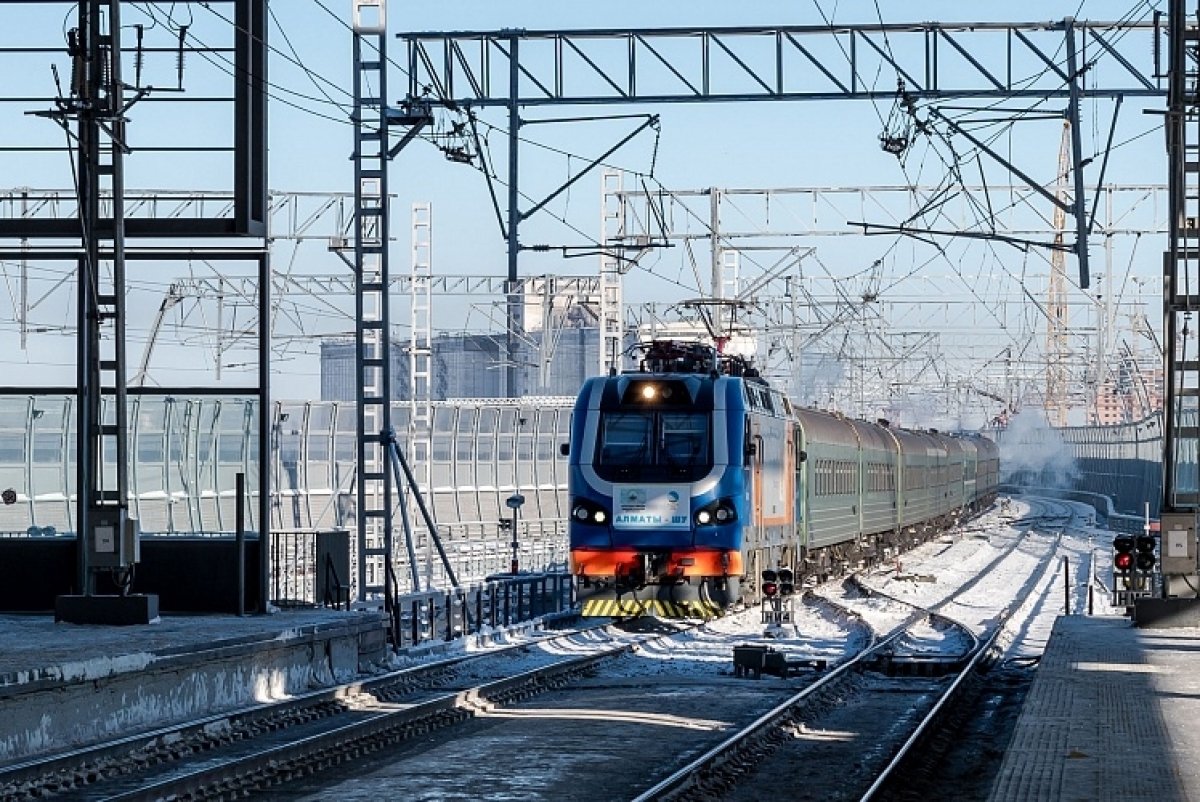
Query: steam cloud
[1034, 454]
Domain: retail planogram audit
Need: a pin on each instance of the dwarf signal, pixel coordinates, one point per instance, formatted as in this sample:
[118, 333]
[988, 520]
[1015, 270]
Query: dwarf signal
[1123, 558]
[1134, 565]
[770, 583]
[778, 585]
[1145, 553]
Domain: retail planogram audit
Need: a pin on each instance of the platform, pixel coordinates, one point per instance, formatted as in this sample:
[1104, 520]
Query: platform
[65, 685]
[1113, 715]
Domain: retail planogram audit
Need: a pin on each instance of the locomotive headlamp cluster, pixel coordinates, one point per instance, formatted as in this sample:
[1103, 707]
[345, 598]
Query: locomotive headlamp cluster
[655, 392]
[588, 512]
[721, 511]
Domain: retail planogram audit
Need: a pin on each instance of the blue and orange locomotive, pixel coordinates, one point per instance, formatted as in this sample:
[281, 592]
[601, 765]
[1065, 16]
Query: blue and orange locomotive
[691, 476]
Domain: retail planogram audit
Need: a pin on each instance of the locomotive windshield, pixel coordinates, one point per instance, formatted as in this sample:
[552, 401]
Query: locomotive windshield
[649, 445]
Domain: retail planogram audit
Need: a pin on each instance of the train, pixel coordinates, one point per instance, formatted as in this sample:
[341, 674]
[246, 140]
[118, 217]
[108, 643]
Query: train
[690, 476]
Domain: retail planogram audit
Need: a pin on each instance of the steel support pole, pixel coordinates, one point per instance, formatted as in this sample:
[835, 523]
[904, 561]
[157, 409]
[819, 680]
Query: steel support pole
[372, 315]
[99, 105]
[514, 328]
[1176, 179]
[714, 226]
[1079, 207]
[264, 429]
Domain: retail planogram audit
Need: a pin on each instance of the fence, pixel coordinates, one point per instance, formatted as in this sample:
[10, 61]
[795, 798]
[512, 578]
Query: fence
[313, 568]
[443, 616]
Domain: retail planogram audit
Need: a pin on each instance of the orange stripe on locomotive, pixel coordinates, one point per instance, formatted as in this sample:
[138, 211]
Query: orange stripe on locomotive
[684, 563]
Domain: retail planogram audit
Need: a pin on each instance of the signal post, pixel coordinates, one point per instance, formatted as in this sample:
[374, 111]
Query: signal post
[1178, 604]
[778, 590]
[1135, 569]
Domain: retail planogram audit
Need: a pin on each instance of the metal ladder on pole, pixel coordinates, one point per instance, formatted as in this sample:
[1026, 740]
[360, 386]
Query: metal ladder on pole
[1181, 269]
[420, 364]
[372, 340]
[731, 274]
[612, 228]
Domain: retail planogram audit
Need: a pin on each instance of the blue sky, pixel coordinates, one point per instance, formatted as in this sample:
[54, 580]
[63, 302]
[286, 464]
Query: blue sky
[701, 145]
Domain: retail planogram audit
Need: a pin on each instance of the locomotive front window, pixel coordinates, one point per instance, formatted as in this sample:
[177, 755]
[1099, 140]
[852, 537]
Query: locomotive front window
[684, 439]
[654, 446]
[625, 438]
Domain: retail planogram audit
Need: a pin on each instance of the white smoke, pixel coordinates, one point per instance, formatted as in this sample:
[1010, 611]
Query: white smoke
[1034, 454]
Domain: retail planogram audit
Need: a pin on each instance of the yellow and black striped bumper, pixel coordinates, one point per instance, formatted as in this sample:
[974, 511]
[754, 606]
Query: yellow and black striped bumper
[624, 608]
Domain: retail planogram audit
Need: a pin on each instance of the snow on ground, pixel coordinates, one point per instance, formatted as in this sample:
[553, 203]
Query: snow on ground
[995, 555]
[1030, 526]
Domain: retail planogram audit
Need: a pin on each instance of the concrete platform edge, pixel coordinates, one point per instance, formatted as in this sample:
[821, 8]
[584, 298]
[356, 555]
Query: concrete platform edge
[79, 703]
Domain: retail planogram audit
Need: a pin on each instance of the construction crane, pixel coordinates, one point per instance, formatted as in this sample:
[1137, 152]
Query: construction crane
[1056, 302]
[172, 298]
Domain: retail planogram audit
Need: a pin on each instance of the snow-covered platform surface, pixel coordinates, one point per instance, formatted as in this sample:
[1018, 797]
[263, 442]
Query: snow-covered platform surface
[1113, 714]
[63, 685]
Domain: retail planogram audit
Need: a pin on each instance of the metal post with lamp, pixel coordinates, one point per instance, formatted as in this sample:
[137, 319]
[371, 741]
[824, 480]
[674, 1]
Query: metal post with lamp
[514, 503]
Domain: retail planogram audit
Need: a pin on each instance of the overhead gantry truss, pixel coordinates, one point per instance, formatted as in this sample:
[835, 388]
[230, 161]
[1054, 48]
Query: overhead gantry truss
[808, 62]
[1042, 61]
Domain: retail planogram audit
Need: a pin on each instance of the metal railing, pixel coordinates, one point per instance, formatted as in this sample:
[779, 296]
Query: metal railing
[310, 568]
[439, 616]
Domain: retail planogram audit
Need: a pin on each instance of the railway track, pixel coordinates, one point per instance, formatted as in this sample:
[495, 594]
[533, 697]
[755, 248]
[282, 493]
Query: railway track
[853, 734]
[603, 715]
[615, 734]
[252, 749]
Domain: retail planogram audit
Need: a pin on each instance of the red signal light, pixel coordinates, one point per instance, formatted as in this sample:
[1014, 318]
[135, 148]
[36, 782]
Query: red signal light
[770, 583]
[1123, 557]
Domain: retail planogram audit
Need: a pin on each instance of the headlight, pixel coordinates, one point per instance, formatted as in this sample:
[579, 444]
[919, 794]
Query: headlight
[721, 511]
[588, 512]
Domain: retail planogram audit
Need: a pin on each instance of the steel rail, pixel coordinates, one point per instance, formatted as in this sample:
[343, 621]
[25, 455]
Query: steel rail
[283, 762]
[82, 759]
[727, 749]
[947, 698]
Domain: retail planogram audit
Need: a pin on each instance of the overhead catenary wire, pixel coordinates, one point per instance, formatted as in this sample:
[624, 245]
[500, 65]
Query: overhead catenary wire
[567, 154]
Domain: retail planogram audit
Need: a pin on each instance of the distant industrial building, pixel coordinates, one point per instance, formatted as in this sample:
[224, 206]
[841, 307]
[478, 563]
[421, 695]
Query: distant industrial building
[1133, 393]
[472, 365]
